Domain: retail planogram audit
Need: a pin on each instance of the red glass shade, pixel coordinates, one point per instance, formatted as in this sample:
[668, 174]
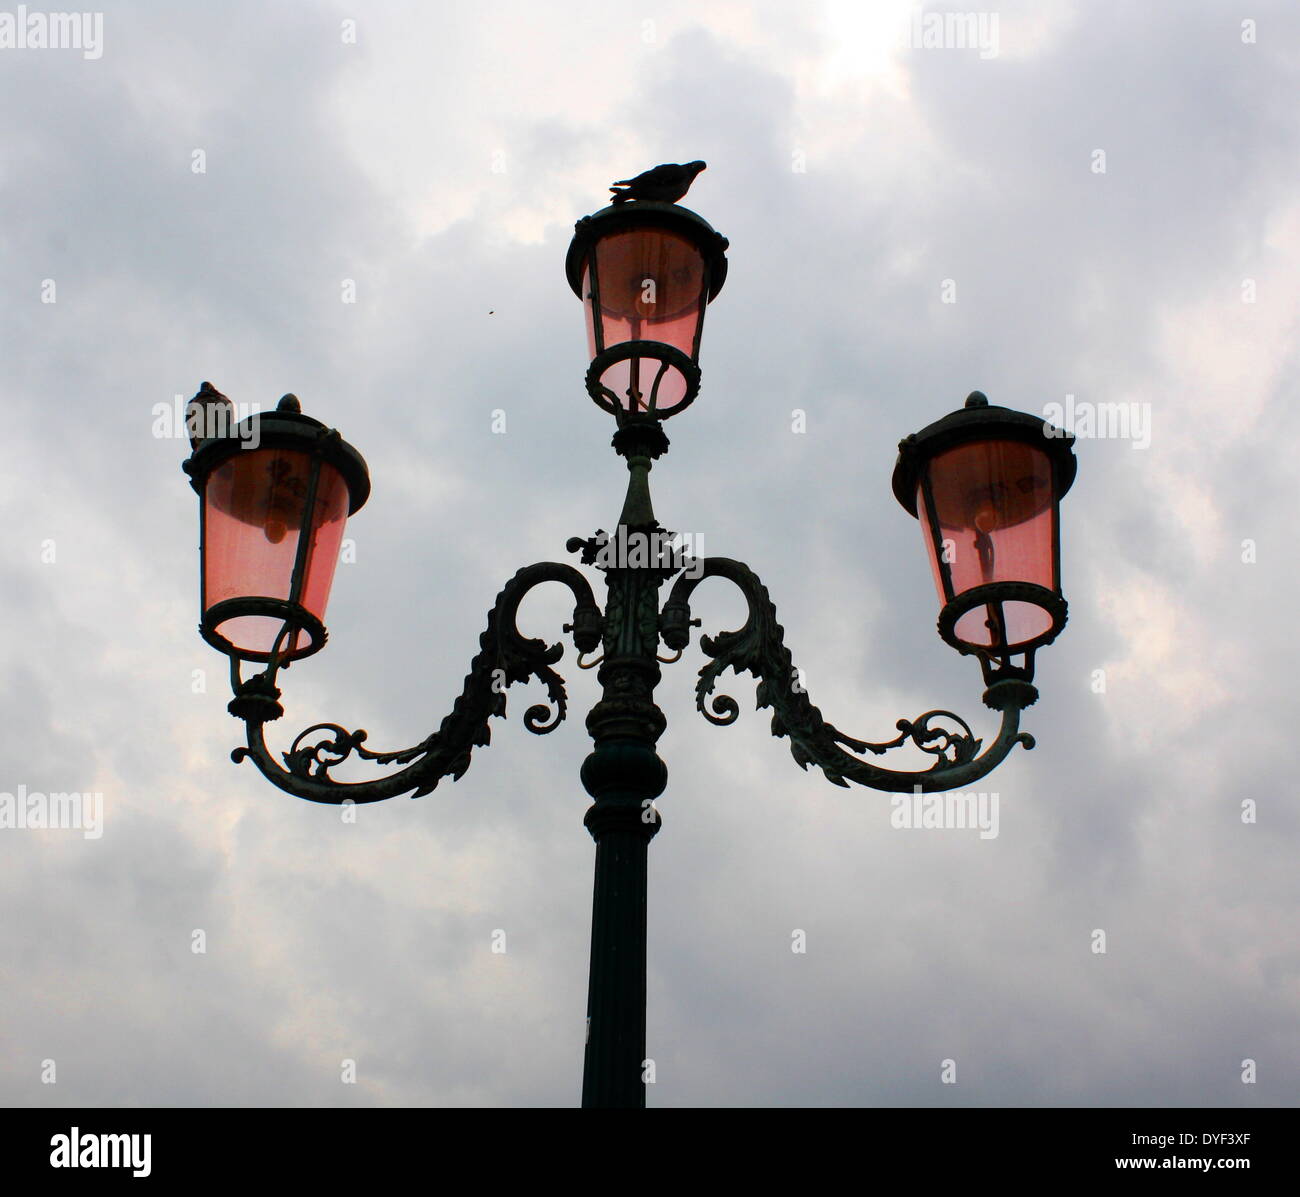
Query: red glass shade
[649, 286]
[989, 512]
[986, 483]
[257, 506]
[645, 271]
[273, 500]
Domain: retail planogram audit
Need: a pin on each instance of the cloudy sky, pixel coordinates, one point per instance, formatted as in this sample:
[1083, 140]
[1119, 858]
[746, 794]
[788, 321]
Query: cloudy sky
[1099, 200]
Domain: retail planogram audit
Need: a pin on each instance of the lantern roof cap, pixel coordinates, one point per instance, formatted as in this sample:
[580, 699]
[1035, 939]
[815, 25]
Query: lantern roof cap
[980, 420]
[641, 214]
[285, 428]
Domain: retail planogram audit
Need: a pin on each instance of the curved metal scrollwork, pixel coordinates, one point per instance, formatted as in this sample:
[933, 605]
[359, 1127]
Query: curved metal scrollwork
[759, 648]
[505, 657]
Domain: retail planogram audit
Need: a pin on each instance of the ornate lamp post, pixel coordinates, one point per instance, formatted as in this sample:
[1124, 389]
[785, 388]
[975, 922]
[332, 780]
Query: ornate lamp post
[984, 482]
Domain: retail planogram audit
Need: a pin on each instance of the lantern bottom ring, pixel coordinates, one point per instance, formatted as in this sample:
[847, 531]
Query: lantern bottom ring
[672, 359]
[294, 616]
[995, 594]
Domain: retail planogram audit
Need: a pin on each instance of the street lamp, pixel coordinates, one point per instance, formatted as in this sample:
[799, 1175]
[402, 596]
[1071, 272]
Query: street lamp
[273, 504]
[984, 482]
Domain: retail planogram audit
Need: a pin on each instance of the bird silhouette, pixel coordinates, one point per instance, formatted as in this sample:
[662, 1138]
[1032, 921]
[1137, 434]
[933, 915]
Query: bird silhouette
[208, 414]
[666, 184]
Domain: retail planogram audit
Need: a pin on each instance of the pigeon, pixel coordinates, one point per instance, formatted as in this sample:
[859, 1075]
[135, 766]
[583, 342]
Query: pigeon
[666, 184]
[208, 414]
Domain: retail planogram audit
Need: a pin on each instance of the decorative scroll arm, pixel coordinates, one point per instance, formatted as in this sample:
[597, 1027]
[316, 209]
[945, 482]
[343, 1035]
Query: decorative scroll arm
[505, 657]
[759, 648]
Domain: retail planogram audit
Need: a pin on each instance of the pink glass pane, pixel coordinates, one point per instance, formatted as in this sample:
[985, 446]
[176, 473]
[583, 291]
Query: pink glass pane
[633, 381]
[651, 285]
[1021, 622]
[254, 514]
[993, 500]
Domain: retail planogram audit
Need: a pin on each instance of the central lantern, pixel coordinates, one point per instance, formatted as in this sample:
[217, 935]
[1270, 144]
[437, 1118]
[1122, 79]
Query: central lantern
[645, 272]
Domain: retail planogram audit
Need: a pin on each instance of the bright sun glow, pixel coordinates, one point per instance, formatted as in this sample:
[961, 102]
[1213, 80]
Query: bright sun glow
[864, 38]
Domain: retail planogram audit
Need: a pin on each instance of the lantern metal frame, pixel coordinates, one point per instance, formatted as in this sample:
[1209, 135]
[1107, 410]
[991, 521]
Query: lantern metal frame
[633, 216]
[623, 773]
[287, 428]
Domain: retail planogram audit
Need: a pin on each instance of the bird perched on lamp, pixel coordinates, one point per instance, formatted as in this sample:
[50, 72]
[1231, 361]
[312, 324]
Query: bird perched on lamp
[665, 184]
[208, 414]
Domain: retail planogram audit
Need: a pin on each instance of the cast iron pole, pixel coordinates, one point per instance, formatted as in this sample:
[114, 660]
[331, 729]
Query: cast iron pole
[624, 775]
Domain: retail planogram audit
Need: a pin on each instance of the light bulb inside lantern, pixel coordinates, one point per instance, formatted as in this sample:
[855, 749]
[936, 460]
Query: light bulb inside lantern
[986, 518]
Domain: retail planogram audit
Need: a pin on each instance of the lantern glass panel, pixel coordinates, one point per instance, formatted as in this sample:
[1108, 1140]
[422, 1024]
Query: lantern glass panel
[255, 504]
[651, 288]
[994, 504]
